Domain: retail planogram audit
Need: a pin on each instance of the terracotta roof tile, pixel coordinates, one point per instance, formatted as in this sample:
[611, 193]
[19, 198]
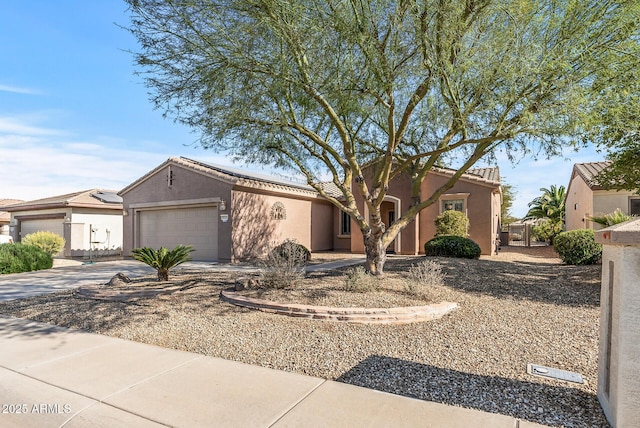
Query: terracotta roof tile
[590, 170]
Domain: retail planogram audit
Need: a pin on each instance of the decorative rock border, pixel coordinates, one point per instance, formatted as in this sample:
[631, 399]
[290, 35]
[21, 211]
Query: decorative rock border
[401, 315]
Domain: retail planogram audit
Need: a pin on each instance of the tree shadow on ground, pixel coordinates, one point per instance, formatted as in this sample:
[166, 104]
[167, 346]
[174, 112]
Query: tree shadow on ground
[531, 401]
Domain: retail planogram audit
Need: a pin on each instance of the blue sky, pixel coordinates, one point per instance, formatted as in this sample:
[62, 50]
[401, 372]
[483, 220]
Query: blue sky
[73, 115]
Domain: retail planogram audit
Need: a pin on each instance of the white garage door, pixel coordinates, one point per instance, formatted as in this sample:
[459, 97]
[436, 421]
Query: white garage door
[187, 226]
[50, 225]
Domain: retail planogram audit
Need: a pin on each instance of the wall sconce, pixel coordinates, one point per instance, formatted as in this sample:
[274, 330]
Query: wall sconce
[223, 205]
[575, 206]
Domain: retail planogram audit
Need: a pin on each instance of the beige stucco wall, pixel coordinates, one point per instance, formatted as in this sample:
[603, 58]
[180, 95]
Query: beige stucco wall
[480, 208]
[607, 201]
[255, 231]
[583, 202]
[578, 205]
[321, 226]
[619, 349]
[340, 242]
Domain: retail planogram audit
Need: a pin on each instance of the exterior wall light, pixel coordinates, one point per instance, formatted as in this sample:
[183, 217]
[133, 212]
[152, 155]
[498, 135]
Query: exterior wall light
[223, 205]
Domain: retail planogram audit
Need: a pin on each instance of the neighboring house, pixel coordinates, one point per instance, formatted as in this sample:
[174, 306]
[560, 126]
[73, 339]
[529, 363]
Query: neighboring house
[586, 198]
[90, 221]
[5, 217]
[229, 215]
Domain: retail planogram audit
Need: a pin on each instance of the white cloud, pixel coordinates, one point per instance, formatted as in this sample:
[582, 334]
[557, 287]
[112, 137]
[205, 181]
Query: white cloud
[18, 90]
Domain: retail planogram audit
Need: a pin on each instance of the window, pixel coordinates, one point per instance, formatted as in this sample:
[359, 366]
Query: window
[278, 211]
[634, 206]
[452, 204]
[345, 223]
[454, 201]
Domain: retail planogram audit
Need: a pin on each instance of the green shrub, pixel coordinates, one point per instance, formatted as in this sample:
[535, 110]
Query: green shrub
[291, 250]
[15, 258]
[48, 242]
[547, 230]
[578, 247]
[360, 281]
[163, 259]
[452, 223]
[610, 219]
[452, 246]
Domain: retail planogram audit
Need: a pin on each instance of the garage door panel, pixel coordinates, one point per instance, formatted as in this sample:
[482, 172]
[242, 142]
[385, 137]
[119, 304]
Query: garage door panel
[196, 226]
[49, 225]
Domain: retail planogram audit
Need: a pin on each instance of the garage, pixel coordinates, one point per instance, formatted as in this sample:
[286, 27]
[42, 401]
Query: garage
[55, 225]
[195, 226]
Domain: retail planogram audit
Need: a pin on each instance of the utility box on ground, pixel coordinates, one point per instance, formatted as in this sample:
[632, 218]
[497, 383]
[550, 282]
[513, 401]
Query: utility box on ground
[619, 353]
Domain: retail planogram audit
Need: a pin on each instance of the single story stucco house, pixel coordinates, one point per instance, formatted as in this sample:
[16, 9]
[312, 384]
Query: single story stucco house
[585, 198]
[90, 221]
[228, 214]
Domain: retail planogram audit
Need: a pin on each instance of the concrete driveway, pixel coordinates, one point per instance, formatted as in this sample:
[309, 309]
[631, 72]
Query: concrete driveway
[22, 285]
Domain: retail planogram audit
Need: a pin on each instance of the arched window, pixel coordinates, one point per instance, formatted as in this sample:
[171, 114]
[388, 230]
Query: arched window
[278, 211]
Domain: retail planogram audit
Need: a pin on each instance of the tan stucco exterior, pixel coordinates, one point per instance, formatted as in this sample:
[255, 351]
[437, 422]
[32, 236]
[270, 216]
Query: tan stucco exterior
[585, 199]
[88, 226]
[259, 214]
[482, 201]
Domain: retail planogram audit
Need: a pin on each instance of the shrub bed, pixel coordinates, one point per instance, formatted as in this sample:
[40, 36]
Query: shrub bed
[452, 246]
[16, 258]
[578, 247]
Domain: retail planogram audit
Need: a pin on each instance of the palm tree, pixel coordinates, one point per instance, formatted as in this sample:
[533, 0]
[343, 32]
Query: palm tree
[550, 205]
[163, 259]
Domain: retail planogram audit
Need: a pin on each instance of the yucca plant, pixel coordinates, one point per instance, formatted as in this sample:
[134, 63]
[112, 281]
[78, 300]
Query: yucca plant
[163, 259]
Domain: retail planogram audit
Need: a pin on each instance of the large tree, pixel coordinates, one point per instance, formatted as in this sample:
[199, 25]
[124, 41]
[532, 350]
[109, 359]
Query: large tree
[362, 91]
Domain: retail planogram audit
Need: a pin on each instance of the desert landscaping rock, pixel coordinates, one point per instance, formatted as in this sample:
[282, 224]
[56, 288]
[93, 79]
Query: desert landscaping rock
[513, 310]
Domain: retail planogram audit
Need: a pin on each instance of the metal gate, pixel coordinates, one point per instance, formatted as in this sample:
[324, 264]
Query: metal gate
[516, 235]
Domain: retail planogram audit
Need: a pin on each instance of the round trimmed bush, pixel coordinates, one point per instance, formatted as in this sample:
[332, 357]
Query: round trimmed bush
[452, 246]
[48, 242]
[16, 258]
[292, 251]
[452, 222]
[578, 247]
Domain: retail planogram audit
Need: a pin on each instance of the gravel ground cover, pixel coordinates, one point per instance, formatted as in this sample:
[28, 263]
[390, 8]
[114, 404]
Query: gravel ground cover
[520, 307]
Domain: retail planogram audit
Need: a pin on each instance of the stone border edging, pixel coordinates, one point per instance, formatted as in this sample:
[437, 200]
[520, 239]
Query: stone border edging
[400, 315]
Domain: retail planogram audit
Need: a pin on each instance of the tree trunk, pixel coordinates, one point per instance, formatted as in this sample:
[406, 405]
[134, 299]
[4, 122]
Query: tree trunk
[163, 274]
[376, 254]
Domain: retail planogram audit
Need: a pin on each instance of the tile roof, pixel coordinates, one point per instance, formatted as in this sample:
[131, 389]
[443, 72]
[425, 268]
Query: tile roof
[85, 198]
[589, 172]
[490, 176]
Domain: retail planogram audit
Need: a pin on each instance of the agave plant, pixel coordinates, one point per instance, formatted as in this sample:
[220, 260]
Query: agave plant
[163, 259]
[612, 218]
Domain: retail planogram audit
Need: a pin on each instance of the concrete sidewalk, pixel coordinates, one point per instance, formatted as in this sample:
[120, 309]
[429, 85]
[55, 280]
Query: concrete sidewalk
[53, 377]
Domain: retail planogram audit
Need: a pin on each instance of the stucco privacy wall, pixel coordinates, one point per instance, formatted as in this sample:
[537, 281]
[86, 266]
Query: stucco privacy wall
[619, 350]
